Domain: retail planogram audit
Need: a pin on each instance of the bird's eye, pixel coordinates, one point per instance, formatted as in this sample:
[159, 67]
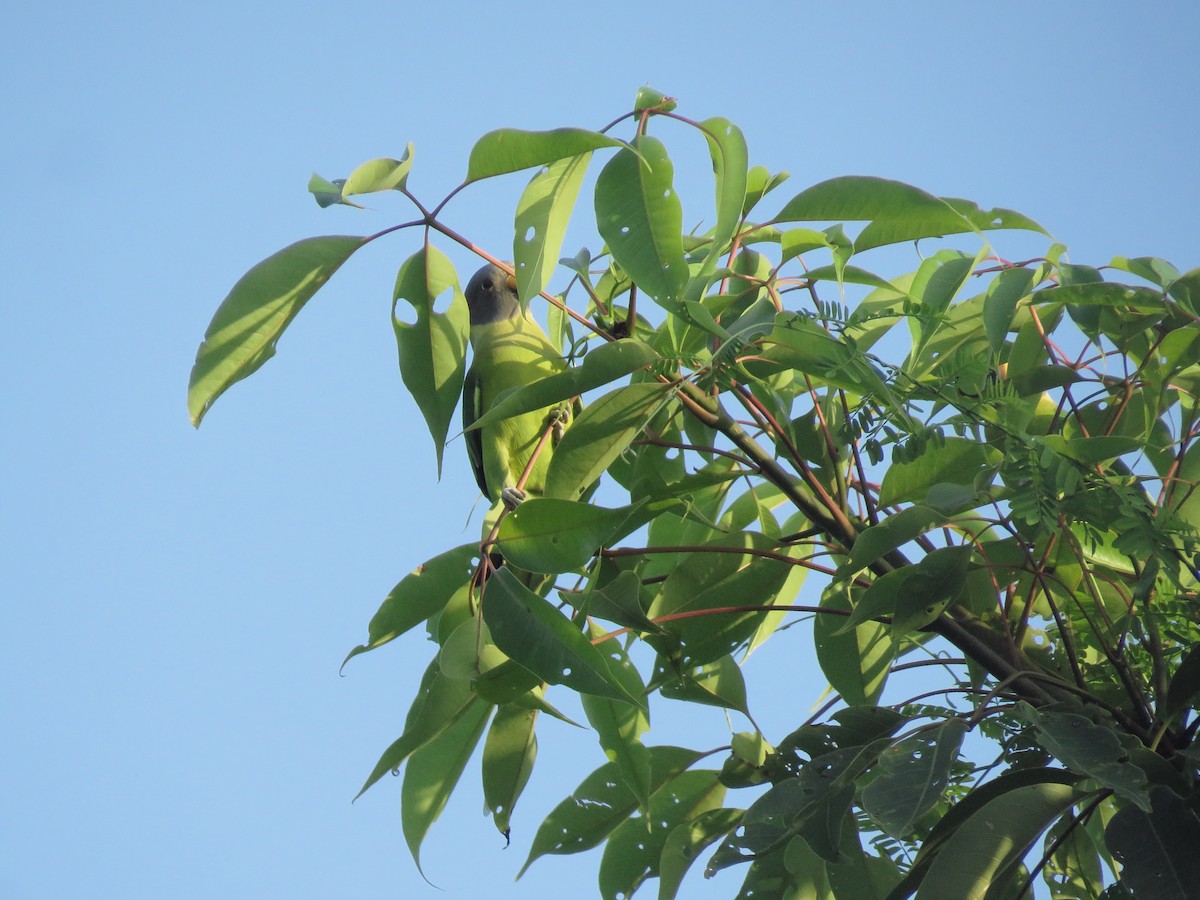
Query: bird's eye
[487, 284]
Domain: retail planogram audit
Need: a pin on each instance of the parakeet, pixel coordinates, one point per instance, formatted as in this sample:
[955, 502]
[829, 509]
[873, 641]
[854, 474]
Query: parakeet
[509, 350]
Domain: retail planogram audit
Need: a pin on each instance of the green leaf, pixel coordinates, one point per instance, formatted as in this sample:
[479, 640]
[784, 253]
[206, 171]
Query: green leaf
[248, 323]
[620, 725]
[601, 366]
[995, 836]
[380, 175]
[440, 702]
[419, 595]
[798, 343]
[600, 804]
[649, 99]
[634, 851]
[686, 842]
[956, 461]
[1000, 304]
[855, 660]
[936, 581]
[550, 535]
[1089, 749]
[966, 808]
[893, 532]
[1093, 450]
[1103, 294]
[759, 183]
[542, 216]
[1184, 688]
[432, 774]
[1157, 849]
[538, 637]
[730, 157]
[639, 216]
[508, 756]
[720, 576]
[432, 350]
[328, 193]
[719, 683]
[911, 776]
[600, 434]
[510, 150]
[897, 211]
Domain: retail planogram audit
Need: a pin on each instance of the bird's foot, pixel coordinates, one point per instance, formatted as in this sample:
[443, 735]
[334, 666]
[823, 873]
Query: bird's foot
[512, 497]
[559, 417]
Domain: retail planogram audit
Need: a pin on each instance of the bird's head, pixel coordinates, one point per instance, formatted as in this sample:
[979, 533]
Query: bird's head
[492, 296]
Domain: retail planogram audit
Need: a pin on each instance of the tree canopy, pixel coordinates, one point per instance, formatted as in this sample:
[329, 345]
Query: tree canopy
[977, 467]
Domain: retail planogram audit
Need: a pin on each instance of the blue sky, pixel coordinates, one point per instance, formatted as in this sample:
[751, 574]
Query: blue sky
[176, 603]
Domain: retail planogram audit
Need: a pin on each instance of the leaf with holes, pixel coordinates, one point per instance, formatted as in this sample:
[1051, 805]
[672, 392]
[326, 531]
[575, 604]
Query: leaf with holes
[911, 776]
[542, 215]
[639, 216]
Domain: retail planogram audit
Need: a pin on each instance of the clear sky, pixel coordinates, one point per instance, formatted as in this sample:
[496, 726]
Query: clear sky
[175, 604]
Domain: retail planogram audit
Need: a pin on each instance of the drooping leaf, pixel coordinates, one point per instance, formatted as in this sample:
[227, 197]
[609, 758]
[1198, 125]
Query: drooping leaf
[510, 149]
[730, 157]
[912, 775]
[634, 851]
[686, 842]
[600, 434]
[508, 756]
[620, 724]
[600, 804]
[248, 323]
[855, 659]
[639, 216]
[433, 772]
[440, 702]
[934, 583]
[1184, 688]
[542, 215]
[418, 596]
[540, 638]
[432, 350]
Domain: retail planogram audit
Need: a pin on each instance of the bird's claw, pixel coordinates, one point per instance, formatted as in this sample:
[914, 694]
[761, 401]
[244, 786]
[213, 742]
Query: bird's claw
[512, 497]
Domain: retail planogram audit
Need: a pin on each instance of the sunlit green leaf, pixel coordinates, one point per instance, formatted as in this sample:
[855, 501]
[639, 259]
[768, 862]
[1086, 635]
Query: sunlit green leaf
[380, 175]
[510, 149]
[640, 218]
[686, 842]
[432, 350]
[248, 323]
[542, 215]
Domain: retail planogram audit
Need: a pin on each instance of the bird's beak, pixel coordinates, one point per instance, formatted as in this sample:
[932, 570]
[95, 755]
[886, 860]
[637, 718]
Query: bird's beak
[511, 281]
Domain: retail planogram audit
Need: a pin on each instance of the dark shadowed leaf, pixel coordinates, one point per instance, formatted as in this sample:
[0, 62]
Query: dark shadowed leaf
[911, 776]
[600, 804]
[540, 638]
[419, 595]
[1158, 849]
